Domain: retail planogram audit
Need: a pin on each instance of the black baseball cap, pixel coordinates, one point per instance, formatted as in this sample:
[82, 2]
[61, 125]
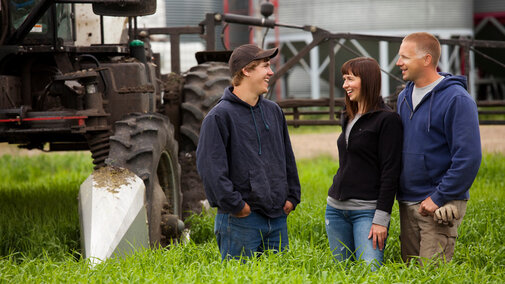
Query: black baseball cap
[246, 54]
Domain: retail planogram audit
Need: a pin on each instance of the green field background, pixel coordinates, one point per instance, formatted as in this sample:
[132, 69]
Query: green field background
[39, 235]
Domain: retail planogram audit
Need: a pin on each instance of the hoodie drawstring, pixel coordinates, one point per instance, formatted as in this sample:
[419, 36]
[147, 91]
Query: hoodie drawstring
[263, 118]
[256, 126]
[257, 132]
[429, 112]
[401, 104]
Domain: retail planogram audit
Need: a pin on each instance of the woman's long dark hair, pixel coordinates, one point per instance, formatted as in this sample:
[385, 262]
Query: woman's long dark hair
[368, 70]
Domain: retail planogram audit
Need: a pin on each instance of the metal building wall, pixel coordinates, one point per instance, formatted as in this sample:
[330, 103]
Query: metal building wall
[379, 15]
[189, 12]
[488, 6]
[185, 13]
[237, 35]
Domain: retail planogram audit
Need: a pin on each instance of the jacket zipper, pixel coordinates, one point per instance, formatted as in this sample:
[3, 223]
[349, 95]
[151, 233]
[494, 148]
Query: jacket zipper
[353, 127]
[410, 108]
[349, 142]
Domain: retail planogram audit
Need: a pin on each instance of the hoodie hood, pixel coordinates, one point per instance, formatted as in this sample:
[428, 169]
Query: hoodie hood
[232, 98]
[405, 97]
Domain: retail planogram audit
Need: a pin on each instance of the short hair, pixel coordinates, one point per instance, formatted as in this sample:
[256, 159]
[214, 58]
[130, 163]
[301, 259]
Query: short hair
[368, 70]
[426, 43]
[239, 75]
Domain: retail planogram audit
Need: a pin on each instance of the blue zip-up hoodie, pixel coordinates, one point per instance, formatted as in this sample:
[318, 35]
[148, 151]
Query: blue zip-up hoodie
[441, 144]
[244, 154]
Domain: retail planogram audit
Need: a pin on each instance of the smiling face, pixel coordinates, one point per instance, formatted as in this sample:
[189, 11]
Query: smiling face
[352, 87]
[362, 85]
[259, 77]
[410, 61]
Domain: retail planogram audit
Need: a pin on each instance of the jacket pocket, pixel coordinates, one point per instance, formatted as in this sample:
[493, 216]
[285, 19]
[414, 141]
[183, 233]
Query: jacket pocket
[260, 189]
[415, 174]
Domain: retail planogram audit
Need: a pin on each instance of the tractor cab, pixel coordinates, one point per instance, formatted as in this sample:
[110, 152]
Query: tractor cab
[36, 22]
[22, 23]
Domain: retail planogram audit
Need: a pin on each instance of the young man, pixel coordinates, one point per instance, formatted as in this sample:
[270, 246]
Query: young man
[246, 162]
[441, 151]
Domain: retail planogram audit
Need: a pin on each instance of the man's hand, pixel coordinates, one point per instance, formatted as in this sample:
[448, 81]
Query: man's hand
[244, 212]
[379, 234]
[288, 207]
[446, 214]
[427, 207]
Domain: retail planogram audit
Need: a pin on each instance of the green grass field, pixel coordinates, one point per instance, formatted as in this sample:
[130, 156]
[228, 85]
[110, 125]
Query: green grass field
[39, 235]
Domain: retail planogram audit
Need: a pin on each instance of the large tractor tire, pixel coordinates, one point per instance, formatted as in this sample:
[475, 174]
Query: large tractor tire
[145, 144]
[203, 87]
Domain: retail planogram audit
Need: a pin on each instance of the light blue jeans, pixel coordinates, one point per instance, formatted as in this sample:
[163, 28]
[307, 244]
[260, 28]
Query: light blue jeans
[348, 235]
[246, 236]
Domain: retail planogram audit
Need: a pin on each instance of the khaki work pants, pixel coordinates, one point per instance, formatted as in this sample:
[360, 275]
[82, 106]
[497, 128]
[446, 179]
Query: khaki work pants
[422, 238]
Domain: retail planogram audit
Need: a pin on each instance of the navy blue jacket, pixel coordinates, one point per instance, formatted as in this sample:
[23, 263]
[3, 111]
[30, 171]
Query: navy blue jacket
[441, 144]
[244, 155]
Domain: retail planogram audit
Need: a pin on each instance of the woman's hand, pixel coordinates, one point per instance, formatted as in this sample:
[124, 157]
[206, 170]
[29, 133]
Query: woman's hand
[379, 234]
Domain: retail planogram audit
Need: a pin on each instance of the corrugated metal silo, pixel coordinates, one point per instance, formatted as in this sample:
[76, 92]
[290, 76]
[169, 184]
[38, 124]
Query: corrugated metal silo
[374, 16]
[189, 12]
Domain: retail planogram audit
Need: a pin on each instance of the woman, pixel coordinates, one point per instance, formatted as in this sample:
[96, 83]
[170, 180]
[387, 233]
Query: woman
[363, 190]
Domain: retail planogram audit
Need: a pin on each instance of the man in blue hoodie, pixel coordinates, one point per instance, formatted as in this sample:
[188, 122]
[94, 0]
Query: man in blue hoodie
[441, 151]
[246, 162]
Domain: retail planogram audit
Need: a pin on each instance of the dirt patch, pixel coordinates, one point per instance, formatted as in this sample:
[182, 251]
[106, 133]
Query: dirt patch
[111, 178]
[13, 150]
[492, 138]
[313, 145]
[308, 146]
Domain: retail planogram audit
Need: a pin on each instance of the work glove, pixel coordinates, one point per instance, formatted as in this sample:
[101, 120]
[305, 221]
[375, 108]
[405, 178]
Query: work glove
[446, 214]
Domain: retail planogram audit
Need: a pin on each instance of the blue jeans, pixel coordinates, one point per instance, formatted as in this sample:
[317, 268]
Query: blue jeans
[246, 236]
[348, 235]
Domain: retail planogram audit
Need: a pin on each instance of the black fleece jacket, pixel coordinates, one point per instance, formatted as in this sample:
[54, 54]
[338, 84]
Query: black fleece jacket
[370, 163]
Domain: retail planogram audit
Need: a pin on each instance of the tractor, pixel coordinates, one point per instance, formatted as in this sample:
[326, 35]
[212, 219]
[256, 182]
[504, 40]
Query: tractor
[110, 99]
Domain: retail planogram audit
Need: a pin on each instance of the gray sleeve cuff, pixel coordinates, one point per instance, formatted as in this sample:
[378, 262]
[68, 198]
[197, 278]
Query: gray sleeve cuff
[381, 218]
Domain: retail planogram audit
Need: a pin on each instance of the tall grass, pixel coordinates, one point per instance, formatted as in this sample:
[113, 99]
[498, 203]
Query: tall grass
[38, 204]
[39, 235]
